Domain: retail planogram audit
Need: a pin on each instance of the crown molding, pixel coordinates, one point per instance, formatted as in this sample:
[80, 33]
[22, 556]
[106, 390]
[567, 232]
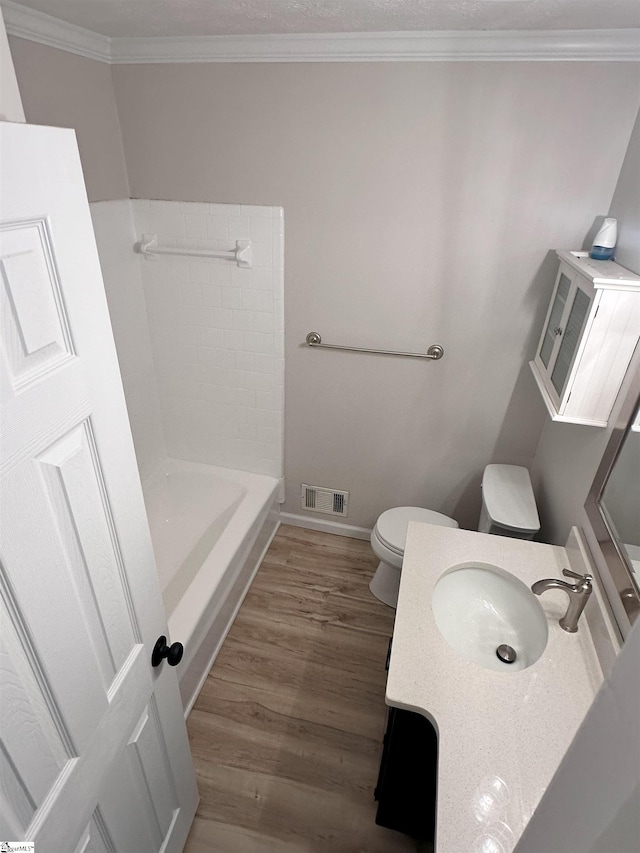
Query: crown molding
[577, 45]
[437, 46]
[35, 26]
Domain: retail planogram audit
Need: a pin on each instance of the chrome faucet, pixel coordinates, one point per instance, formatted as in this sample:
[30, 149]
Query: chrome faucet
[578, 596]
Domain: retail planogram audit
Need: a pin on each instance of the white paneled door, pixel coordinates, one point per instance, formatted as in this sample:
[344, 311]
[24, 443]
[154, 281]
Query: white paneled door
[94, 754]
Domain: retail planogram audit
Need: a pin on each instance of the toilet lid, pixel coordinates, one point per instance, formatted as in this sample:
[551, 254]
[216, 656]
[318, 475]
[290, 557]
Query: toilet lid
[392, 525]
[508, 497]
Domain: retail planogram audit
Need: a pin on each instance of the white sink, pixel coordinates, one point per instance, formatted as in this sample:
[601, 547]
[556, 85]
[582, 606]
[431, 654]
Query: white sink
[479, 607]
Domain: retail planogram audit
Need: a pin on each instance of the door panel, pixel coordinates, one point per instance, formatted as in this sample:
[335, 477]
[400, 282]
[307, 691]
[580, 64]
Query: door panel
[73, 479]
[69, 658]
[34, 326]
[95, 839]
[93, 746]
[33, 750]
[136, 826]
[147, 748]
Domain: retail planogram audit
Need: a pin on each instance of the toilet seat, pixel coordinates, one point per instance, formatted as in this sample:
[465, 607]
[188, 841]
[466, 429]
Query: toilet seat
[391, 527]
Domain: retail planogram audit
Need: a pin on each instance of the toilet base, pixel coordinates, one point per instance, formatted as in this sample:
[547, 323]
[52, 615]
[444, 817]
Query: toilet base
[385, 584]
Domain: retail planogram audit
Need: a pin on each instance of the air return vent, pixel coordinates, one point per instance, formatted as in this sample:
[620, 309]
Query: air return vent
[330, 501]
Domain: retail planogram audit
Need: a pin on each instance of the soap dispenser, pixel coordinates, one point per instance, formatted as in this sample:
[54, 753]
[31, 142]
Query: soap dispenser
[605, 240]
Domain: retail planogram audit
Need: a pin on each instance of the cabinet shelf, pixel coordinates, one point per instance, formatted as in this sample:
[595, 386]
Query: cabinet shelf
[589, 335]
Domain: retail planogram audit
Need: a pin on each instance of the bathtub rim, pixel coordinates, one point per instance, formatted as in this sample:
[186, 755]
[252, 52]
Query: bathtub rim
[196, 612]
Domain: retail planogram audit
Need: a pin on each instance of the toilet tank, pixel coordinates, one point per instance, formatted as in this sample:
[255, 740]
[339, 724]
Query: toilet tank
[508, 503]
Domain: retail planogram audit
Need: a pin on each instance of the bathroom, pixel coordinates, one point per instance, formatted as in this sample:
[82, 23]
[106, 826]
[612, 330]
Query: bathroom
[399, 234]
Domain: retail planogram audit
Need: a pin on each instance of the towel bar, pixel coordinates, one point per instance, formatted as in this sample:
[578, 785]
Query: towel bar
[241, 255]
[434, 352]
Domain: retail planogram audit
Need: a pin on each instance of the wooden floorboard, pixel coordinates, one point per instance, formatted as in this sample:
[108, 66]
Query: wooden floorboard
[287, 731]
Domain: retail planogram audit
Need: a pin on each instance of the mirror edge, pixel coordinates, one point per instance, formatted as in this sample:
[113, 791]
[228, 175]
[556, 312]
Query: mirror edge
[612, 555]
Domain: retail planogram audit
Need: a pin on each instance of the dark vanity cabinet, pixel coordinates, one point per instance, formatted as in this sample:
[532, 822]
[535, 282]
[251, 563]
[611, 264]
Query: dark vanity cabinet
[406, 789]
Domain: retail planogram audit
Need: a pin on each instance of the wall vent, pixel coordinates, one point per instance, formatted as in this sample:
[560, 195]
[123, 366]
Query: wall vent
[330, 501]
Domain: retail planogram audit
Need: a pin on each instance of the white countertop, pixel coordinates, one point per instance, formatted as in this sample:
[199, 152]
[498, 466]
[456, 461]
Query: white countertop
[501, 735]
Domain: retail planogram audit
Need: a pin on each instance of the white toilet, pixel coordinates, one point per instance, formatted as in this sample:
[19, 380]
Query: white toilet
[388, 538]
[508, 503]
[508, 509]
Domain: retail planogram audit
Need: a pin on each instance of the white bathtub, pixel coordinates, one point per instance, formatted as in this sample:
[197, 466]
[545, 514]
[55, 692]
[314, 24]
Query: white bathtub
[210, 528]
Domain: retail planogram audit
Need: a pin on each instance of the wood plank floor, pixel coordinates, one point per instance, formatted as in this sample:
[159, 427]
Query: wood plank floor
[287, 732]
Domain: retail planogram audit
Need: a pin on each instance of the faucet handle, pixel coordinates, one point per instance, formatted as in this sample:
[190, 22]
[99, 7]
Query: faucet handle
[586, 579]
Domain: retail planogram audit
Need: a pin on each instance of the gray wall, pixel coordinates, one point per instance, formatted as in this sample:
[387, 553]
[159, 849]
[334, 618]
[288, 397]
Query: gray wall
[10, 102]
[600, 754]
[568, 455]
[625, 205]
[61, 89]
[421, 204]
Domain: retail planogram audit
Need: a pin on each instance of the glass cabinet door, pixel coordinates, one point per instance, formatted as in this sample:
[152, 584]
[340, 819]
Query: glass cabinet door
[570, 339]
[553, 326]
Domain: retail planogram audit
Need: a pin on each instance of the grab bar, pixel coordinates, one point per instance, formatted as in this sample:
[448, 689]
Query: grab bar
[434, 352]
[241, 254]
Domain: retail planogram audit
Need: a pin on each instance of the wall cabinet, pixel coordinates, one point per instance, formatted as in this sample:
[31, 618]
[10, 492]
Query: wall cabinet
[589, 335]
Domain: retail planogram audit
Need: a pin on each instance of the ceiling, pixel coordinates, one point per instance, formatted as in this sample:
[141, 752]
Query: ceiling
[148, 18]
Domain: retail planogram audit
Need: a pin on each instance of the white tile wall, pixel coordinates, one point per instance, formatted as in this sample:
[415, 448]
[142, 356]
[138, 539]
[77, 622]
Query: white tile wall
[121, 270]
[217, 333]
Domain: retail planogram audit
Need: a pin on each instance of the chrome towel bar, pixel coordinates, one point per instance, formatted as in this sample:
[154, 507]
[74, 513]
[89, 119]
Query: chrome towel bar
[434, 352]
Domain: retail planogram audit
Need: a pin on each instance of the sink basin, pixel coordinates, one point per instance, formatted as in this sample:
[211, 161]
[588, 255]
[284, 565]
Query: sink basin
[479, 607]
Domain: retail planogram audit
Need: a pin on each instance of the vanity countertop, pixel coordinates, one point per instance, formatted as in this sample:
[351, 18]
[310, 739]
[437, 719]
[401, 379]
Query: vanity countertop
[501, 735]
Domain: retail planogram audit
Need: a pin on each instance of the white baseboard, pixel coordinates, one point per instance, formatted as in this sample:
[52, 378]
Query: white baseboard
[335, 527]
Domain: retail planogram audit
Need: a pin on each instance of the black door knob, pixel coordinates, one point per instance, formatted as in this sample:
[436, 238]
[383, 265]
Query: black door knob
[172, 653]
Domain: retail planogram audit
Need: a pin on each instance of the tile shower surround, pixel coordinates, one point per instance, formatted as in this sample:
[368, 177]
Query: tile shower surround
[121, 271]
[200, 341]
[217, 333]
